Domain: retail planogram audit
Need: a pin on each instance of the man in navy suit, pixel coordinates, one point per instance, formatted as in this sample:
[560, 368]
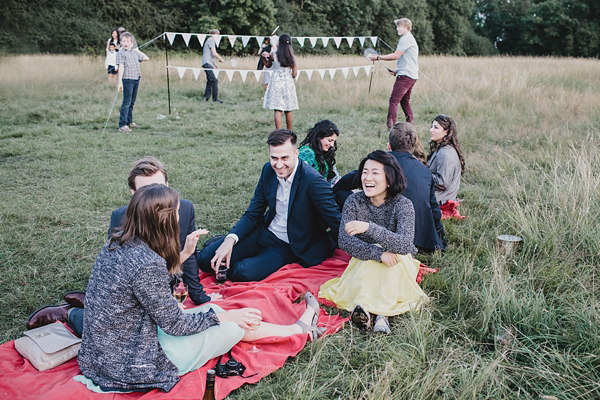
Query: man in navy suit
[150, 170]
[291, 218]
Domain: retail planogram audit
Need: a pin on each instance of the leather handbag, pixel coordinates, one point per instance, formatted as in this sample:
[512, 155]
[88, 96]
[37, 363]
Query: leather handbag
[48, 346]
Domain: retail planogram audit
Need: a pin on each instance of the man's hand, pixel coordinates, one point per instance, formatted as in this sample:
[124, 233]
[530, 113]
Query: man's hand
[393, 73]
[190, 244]
[119, 85]
[356, 227]
[373, 57]
[216, 66]
[223, 254]
[246, 318]
[390, 259]
[221, 59]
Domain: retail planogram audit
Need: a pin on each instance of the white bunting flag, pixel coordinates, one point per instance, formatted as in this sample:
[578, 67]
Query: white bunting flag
[230, 73]
[301, 40]
[361, 39]
[216, 72]
[338, 41]
[260, 39]
[325, 41]
[367, 69]
[171, 37]
[309, 73]
[244, 74]
[256, 74]
[331, 72]
[374, 40]
[231, 39]
[350, 40]
[196, 72]
[355, 69]
[181, 71]
[322, 72]
[201, 38]
[217, 39]
[186, 38]
[313, 41]
[345, 72]
[245, 40]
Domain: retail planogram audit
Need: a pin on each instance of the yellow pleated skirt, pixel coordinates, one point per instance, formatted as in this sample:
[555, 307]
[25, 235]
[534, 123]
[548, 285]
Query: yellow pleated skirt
[379, 289]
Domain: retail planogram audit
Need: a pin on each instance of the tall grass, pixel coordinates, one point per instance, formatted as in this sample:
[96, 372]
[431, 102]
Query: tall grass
[497, 327]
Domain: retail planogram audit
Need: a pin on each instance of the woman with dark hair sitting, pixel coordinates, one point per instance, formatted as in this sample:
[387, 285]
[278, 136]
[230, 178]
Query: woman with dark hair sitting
[446, 163]
[378, 231]
[135, 335]
[319, 147]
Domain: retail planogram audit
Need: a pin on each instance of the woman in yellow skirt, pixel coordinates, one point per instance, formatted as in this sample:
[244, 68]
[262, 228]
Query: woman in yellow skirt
[378, 228]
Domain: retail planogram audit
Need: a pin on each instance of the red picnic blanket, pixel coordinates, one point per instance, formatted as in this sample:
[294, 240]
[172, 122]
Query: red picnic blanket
[274, 296]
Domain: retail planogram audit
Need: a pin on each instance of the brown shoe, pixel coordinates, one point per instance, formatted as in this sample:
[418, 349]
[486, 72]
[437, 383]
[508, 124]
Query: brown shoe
[75, 298]
[133, 125]
[48, 315]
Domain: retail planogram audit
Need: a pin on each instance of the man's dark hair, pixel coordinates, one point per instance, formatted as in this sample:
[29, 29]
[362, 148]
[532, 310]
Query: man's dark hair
[393, 172]
[280, 136]
[146, 166]
[403, 137]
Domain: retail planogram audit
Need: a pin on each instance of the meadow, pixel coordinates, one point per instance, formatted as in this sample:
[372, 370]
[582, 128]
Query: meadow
[525, 326]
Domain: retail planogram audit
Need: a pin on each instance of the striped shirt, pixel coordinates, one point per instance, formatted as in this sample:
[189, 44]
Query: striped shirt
[130, 62]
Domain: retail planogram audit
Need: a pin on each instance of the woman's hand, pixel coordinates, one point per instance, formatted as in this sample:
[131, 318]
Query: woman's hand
[265, 54]
[190, 244]
[246, 318]
[390, 259]
[356, 227]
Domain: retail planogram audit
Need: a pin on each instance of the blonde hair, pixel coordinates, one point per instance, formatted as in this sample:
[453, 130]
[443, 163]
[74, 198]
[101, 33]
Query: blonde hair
[405, 22]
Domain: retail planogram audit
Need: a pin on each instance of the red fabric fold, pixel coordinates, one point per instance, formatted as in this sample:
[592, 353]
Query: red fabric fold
[450, 210]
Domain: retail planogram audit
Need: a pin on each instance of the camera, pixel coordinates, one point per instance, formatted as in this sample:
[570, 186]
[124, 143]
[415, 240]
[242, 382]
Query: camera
[230, 368]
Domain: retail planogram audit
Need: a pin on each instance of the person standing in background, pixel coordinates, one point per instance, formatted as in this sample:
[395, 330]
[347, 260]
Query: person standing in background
[209, 52]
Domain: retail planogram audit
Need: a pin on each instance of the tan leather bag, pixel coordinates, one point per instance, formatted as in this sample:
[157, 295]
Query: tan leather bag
[48, 346]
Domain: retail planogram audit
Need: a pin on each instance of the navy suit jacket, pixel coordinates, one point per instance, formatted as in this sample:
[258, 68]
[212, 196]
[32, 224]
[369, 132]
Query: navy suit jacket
[187, 225]
[429, 231]
[311, 211]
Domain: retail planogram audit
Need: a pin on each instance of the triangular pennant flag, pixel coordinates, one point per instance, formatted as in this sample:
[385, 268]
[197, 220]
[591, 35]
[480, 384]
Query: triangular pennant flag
[367, 69]
[201, 38]
[350, 40]
[231, 39]
[217, 39]
[322, 72]
[325, 40]
[245, 40]
[244, 74]
[230, 73]
[345, 72]
[331, 72]
[374, 40]
[181, 71]
[216, 72]
[355, 69]
[186, 38]
[338, 41]
[301, 40]
[313, 41]
[171, 37]
[196, 72]
[361, 39]
[260, 39]
[256, 74]
[309, 73]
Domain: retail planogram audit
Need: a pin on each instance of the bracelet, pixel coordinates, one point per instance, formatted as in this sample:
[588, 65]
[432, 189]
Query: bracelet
[378, 58]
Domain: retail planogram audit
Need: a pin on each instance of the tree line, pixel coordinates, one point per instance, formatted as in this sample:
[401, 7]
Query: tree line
[459, 27]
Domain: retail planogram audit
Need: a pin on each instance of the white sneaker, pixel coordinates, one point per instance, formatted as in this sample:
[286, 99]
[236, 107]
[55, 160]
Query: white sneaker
[382, 325]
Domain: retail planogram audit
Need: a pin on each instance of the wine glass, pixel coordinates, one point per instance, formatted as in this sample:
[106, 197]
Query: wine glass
[180, 292]
[254, 348]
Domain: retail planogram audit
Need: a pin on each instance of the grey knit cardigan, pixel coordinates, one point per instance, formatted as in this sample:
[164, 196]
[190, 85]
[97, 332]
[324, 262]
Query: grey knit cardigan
[391, 225]
[127, 297]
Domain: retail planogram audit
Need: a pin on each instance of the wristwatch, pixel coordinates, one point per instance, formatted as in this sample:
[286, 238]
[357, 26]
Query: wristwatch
[378, 57]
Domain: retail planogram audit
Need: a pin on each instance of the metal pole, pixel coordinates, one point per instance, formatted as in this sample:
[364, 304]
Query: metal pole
[371, 81]
[168, 83]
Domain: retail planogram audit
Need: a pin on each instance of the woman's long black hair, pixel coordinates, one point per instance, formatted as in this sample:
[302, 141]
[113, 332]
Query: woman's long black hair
[313, 138]
[450, 139]
[285, 52]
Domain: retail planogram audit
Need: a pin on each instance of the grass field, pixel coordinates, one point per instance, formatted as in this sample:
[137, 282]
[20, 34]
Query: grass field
[524, 327]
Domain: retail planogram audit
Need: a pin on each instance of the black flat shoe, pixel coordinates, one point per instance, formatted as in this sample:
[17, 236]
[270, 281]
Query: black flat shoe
[361, 318]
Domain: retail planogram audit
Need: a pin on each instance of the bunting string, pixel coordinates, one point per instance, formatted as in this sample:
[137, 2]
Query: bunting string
[321, 72]
[324, 40]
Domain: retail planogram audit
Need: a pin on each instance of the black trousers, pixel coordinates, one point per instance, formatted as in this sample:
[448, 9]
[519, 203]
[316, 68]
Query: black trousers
[212, 83]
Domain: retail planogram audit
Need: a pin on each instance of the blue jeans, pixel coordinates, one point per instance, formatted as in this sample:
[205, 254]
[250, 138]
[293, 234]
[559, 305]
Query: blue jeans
[130, 89]
[212, 83]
